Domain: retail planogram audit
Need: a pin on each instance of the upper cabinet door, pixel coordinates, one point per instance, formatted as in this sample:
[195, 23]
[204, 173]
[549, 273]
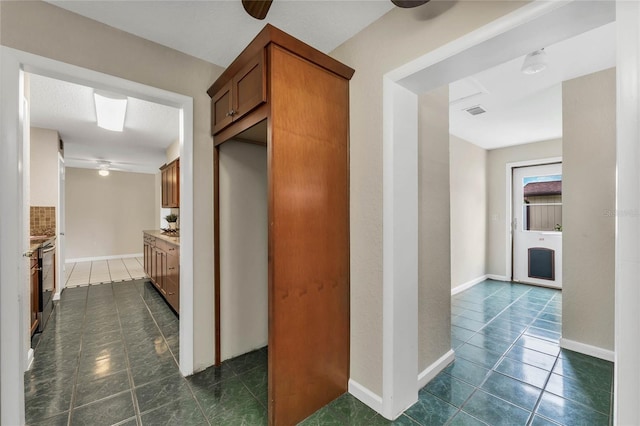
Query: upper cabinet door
[171, 184]
[249, 88]
[243, 93]
[221, 107]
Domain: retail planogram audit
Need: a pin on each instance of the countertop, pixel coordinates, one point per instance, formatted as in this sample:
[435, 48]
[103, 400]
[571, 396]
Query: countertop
[166, 237]
[38, 241]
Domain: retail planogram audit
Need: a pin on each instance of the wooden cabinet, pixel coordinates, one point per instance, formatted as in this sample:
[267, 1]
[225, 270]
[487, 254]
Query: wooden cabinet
[246, 90]
[162, 265]
[170, 180]
[304, 124]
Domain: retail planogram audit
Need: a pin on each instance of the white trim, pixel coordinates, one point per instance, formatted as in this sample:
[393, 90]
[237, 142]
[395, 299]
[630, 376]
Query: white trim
[30, 358]
[434, 369]
[583, 348]
[498, 277]
[400, 249]
[626, 410]
[98, 258]
[509, 206]
[467, 285]
[366, 396]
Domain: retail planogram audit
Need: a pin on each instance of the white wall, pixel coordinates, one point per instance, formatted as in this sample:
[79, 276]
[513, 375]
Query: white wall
[44, 167]
[243, 262]
[468, 181]
[105, 216]
[589, 209]
[498, 219]
[395, 39]
[434, 271]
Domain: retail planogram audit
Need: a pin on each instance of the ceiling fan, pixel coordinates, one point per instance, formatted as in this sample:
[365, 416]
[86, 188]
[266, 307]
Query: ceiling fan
[259, 8]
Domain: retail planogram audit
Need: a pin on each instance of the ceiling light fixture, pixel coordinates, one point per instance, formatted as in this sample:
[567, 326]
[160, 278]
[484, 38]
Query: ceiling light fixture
[103, 168]
[110, 111]
[535, 62]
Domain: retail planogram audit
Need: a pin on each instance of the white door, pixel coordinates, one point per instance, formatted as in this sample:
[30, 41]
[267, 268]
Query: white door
[537, 225]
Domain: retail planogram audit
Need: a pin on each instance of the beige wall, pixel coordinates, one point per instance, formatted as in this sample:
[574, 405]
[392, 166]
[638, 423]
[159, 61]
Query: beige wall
[43, 29]
[589, 187]
[395, 39]
[105, 216]
[243, 263]
[434, 255]
[468, 180]
[44, 167]
[498, 219]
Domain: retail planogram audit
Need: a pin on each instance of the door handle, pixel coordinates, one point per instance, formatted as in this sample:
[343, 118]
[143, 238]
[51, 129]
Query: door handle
[28, 253]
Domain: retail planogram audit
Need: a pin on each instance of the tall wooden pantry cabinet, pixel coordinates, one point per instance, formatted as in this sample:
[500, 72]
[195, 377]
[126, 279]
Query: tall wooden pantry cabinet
[294, 100]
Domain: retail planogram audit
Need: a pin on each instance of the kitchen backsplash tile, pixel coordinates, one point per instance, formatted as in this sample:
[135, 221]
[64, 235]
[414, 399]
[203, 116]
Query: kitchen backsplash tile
[43, 220]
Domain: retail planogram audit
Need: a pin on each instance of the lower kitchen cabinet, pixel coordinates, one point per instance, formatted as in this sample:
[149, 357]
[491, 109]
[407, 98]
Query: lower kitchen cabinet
[35, 291]
[162, 265]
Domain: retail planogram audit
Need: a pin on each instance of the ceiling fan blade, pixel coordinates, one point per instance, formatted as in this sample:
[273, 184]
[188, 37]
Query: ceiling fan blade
[407, 3]
[257, 8]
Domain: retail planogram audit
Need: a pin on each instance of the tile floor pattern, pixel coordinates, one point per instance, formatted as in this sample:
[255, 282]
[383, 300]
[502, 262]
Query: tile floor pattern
[104, 271]
[109, 357]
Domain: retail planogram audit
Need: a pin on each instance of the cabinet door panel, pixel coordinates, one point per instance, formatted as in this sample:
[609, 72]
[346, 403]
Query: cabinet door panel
[249, 86]
[221, 106]
[309, 245]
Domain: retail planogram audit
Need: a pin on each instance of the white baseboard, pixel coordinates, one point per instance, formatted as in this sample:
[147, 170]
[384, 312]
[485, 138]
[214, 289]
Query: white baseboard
[467, 285]
[30, 359]
[56, 295]
[583, 348]
[498, 277]
[97, 258]
[432, 371]
[369, 398]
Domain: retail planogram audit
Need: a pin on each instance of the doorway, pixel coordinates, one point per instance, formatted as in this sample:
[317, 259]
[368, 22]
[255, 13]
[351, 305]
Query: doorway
[537, 225]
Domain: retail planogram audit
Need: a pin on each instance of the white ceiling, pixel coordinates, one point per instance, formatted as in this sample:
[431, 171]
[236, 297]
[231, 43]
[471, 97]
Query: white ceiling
[218, 30]
[526, 108]
[69, 108]
[520, 108]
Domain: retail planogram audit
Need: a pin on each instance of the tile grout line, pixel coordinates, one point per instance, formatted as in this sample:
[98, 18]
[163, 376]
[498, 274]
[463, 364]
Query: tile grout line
[172, 354]
[134, 396]
[79, 357]
[503, 355]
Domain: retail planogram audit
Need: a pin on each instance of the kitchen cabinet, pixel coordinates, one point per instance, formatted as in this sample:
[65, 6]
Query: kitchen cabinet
[170, 181]
[162, 265]
[241, 94]
[302, 119]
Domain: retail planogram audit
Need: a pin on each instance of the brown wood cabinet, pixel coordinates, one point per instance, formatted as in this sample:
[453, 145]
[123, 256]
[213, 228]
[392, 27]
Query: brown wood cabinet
[170, 179]
[303, 120]
[245, 91]
[162, 265]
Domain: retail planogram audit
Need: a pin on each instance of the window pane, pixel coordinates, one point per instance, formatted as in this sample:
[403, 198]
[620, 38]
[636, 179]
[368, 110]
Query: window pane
[542, 203]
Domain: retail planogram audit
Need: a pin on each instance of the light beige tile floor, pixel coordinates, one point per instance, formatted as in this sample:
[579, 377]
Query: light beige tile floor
[104, 271]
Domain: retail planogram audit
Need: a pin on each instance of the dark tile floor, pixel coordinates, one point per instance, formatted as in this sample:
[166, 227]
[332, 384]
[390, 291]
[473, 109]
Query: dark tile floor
[109, 357]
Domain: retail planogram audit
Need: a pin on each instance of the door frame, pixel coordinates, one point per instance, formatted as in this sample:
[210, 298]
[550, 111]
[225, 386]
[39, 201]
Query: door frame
[509, 206]
[400, 138]
[13, 64]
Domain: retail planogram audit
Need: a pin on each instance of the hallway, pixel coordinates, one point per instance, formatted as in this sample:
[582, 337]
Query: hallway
[110, 353]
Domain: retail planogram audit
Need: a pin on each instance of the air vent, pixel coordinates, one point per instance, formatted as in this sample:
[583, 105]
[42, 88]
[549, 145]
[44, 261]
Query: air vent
[476, 110]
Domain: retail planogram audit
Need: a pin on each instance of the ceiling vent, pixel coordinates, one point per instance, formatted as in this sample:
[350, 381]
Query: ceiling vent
[476, 110]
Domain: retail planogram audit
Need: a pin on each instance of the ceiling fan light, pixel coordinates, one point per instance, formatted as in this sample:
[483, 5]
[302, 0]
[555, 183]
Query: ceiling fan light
[110, 111]
[257, 8]
[103, 172]
[535, 62]
[406, 4]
